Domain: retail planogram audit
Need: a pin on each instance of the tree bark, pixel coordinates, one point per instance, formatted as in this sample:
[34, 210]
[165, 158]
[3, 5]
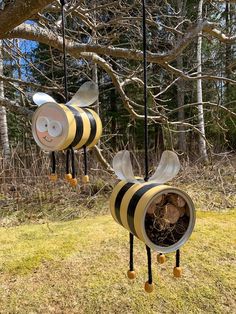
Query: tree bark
[180, 86]
[21, 10]
[201, 123]
[181, 115]
[3, 115]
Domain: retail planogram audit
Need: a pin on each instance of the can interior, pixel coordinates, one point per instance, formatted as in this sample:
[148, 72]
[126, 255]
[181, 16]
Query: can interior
[167, 219]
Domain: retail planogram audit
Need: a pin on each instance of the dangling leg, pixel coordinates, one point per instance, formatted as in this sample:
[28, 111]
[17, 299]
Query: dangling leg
[161, 258]
[85, 178]
[73, 180]
[149, 286]
[177, 271]
[68, 175]
[131, 272]
[53, 175]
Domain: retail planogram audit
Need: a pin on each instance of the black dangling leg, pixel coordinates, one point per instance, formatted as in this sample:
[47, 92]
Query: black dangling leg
[149, 286]
[53, 175]
[68, 175]
[177, 271]
[131, 272]
[73, 180]
[85, 178]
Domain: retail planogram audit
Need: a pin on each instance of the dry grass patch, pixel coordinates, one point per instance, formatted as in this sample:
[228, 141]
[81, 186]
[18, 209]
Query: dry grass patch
[80, 267]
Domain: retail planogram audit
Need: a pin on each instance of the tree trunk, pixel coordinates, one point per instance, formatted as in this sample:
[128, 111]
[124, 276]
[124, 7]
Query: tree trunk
[181, 116]
[228, 52]
[201, 124]
[3, 116]
[180, 86]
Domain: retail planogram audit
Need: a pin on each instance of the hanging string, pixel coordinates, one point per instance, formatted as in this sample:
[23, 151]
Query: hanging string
[85, 160]
[131, 252]
[149, 256]
[145, 89]
[67, 161]
[53, 162]
[63, 2]
[72, 162]
[177, 258]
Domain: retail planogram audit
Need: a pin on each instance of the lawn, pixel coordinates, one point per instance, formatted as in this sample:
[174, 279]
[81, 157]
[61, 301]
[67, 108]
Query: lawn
[80, 267]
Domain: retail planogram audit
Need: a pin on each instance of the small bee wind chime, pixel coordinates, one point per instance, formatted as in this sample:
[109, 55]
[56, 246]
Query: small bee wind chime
[58, 127]
[161, 216]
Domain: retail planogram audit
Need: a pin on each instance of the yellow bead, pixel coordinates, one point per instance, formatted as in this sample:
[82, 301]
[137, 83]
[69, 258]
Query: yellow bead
[131, 274]
[73, 182]
[149, 287]
[177, 271]
[68, 176]
[53, 177]
[85, 179]
[161, 258]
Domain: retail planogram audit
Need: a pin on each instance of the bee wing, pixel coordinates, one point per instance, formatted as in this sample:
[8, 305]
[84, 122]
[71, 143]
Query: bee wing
[167, 169]
[123, 167]
[86, 95]
[41, 98]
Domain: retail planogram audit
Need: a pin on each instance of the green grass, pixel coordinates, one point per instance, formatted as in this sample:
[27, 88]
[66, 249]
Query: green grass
[80, 267]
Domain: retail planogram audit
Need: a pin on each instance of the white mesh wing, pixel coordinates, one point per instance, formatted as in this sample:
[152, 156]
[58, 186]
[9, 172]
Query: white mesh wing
[167, 169]
[85, 96]
[41, 98]
[123, 167]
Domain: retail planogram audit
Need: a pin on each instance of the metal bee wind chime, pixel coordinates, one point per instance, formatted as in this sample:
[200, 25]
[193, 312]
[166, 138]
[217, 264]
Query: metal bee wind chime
[58, 127]
[161, 216]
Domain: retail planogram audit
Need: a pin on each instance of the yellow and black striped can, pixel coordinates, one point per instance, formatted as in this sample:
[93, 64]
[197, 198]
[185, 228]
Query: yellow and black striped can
[130, 202]
[56, 127]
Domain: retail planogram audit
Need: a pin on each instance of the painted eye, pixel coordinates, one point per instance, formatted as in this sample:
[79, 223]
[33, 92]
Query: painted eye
[42, 124]
[54, 128]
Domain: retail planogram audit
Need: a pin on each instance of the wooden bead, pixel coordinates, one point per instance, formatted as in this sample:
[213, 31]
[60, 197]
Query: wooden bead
[85, 179]
[53, 177]
[177, 271]
[149, 287]
[161, 258]
[73, 182]
[68, 176]
[131, 274]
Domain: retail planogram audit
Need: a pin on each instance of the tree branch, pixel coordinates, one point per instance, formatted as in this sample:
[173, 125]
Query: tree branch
[18, 12]
[15, 107]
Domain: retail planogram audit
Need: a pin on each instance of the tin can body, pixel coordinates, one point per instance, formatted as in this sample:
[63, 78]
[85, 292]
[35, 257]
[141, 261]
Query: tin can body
[79, 127]
[130, 205]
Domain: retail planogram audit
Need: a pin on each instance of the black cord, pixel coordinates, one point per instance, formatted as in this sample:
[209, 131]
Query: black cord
[145, 88]
[85, 160]
[72, 162]
[131, 252]
[67, 161]
[149, 258]
[64, 49]
[177, 258]
[53, 162]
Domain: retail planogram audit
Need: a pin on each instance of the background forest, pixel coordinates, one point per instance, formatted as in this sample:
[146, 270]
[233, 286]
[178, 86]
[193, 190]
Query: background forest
[191, 87]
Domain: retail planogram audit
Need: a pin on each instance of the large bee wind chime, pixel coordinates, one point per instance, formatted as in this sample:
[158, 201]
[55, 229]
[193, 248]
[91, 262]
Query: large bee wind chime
[69, 126]
[161, 216]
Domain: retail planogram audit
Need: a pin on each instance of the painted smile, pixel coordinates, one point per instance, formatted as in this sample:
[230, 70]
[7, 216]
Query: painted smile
[49, 140]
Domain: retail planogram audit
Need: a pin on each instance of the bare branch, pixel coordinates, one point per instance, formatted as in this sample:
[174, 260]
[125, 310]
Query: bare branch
[19, 11]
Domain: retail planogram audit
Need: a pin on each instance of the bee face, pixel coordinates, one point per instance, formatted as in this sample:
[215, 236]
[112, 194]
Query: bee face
[52, 126]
